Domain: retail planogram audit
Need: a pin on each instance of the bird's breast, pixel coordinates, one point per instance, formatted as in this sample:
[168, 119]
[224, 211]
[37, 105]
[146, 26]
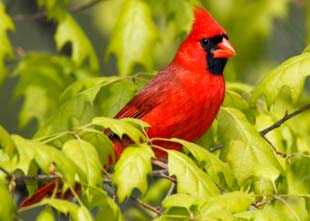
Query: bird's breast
[189, 108]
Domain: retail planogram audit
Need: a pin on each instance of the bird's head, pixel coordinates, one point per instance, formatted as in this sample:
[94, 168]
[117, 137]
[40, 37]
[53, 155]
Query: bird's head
[207, 44]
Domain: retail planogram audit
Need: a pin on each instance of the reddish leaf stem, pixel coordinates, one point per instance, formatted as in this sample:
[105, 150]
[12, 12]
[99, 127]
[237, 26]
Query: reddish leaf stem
[160, 163]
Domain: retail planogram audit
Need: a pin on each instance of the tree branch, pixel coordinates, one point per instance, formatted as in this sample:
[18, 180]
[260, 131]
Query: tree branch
[7, 173]
[156, 210]
[274, 148]
[283, 119]
[171, 190]
[78, 8]
[42, 14]
[22, 178]
[160, 163]
[165, 176]
[216, 148]
[277, 124]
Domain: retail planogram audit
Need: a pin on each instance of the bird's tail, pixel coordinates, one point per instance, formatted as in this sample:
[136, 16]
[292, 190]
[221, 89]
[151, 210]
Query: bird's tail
[54, 189]
[49, 190]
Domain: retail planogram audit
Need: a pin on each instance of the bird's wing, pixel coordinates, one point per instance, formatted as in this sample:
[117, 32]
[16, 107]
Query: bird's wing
[153, 94]
[140, 105]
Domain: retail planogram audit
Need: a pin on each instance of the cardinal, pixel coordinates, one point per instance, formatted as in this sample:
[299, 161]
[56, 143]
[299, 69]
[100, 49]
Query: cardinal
[183, 99]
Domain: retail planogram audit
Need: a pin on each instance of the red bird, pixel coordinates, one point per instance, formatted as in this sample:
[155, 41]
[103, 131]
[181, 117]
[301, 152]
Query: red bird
[184, 98]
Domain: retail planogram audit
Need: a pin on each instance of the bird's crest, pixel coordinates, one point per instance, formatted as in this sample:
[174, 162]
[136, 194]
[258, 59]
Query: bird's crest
[204, 25]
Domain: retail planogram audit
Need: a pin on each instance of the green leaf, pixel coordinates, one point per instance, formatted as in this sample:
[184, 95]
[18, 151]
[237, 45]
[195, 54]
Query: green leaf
[76, 212]
[115, 96]
[102, 143]
[297, 175]
[233, 202]
[134, 37]
[74, 113]
[41, 99]
[46, 215]
[221, 207]
[209, 139]
[129, 126]
[244, 148]
[182, 200]
[69, 31]
[212, 164]
[131, 170]
[156, 191]
[36, 105]
[179, 14]
[6, 49]
[89, 87]
[265, 214]
[54, 8]
[263, 120]
[44, 155]
[235, 100]
[107, 208]
[32, 185]
[240, 88]
[291, 74]
[174, 20]
[85, 156]
[6, 143]
[294, 207]
[108, 94]
[8, 209]
[7, 163]
[191, 179]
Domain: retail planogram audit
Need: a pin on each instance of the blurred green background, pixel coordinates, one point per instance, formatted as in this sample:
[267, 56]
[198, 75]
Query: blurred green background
[263, 32]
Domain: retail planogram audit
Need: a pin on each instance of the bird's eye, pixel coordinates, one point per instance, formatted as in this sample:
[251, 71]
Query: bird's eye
[204, 42]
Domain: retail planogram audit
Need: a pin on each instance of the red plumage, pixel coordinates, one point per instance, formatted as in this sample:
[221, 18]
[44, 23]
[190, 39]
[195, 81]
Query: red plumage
[183, 99]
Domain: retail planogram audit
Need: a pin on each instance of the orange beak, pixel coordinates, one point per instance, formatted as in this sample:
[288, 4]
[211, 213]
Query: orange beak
[224, 50]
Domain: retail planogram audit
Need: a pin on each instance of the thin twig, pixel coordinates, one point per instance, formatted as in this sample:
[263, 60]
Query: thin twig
[7, 173]
[162, 175]
[78, 8]
[107, 181]
[171, 190]
[274, 148]
[156, 210]
[298, 155]
[160, 163]
[216, 148]
[20, 178]
[38, 15]
[42, 14]
[277, 125]
[283, 119]
[158, 172]
[106, 173]
[76, 195]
